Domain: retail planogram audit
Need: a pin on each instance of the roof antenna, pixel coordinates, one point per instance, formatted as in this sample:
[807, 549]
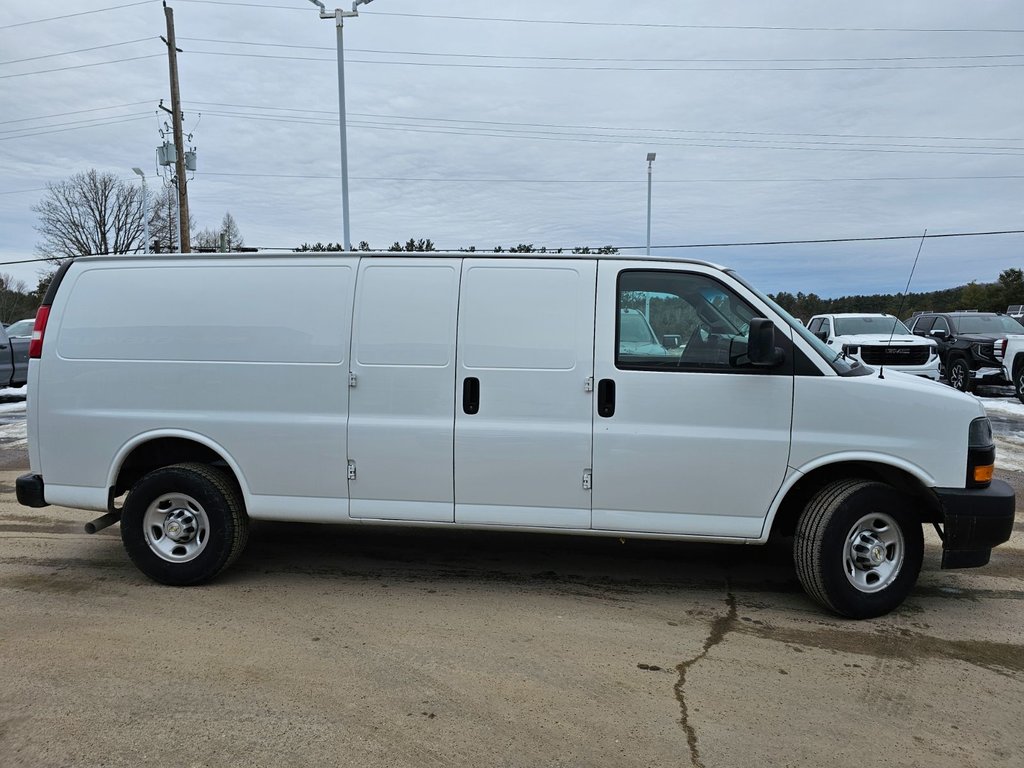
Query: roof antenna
[881, 368]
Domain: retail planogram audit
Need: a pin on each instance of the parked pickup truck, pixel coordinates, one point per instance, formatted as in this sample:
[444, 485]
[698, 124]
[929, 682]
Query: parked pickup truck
[13, 360]
[1011, 350]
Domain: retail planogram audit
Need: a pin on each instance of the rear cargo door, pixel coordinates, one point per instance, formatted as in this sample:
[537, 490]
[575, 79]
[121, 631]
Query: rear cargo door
[523, 413]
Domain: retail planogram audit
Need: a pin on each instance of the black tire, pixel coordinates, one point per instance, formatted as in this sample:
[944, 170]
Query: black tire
[960, 375]
[1018, 380]
[184, 524]
[838, 566]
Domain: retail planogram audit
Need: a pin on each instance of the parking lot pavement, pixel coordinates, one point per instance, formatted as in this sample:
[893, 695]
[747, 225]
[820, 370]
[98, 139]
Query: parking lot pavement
[332, 645]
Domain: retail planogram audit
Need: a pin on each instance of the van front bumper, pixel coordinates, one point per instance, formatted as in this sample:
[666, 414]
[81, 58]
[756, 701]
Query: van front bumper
[29, 489]
[974, 521]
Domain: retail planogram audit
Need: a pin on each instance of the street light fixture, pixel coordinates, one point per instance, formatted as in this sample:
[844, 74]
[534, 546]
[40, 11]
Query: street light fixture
[145, 206]
[650, 162]
[339, 17]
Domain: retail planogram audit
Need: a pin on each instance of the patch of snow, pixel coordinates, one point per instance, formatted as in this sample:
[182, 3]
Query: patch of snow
[14, 391]
[1013, 407]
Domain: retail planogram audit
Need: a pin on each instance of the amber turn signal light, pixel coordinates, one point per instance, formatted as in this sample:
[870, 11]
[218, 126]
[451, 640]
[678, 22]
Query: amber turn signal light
[984, 474]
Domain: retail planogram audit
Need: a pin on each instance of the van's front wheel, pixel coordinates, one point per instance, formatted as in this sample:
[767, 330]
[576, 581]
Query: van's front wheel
[858, 550]
[184, 524]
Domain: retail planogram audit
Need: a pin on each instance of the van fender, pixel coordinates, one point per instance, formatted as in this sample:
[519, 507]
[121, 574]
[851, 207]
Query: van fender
[865, 457]
[155, 434]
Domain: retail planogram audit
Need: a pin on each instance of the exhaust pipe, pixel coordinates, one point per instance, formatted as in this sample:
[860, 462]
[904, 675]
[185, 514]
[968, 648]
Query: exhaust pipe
[103, 522]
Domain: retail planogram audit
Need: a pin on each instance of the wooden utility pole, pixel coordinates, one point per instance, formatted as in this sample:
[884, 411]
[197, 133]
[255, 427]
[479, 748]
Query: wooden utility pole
[179, 141]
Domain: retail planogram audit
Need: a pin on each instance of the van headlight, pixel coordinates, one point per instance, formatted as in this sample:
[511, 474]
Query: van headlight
[981, 453]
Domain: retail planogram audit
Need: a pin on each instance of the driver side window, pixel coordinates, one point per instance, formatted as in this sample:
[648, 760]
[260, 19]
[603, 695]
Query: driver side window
[679, 321]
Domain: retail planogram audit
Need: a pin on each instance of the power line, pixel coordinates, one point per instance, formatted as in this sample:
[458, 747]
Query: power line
[80, 13]
[715, 131]
[620, 24]
[83, 66]
[82, 123]
[492, 180]
[80, 50]
[603, 59]
[821, 241]
[35, 132]
[539, 67]
[880, 238]
[75, 112]
[639, 140]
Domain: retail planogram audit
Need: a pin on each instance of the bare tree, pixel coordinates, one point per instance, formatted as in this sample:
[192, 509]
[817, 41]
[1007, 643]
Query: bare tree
[90, 213]
[229, 229]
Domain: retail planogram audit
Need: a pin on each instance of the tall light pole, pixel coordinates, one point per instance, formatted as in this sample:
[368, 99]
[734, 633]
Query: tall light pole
[145, 206]
[650, 162]
[339, 17]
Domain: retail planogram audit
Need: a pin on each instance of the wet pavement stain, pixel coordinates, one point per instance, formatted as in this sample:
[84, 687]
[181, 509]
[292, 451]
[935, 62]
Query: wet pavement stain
[52, 584]
[1006, 659]
[720, 627]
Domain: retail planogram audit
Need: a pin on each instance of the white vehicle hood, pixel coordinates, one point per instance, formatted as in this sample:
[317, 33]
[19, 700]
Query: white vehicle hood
[875, 339]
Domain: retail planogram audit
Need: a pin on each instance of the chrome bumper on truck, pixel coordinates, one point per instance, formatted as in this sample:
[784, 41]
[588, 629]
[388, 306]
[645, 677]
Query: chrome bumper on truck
[974, 521]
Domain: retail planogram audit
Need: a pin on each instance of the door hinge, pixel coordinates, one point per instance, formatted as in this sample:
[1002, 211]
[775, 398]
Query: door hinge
[587, 480]
[352, 379]
[588, 385]
[351, 470]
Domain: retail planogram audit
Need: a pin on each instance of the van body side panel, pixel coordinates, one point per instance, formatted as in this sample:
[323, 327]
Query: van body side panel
[401, 431]
[251, 355]
[688, 450]
[525, 354]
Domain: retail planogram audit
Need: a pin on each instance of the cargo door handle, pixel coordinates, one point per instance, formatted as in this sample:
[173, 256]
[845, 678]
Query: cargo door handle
[606, 398]
[471, 395]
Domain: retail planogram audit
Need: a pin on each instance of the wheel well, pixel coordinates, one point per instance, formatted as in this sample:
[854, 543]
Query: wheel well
[163, 452]
[802, 491]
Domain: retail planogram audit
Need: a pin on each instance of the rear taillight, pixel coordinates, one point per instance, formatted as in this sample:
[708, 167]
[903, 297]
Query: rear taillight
[35, 347]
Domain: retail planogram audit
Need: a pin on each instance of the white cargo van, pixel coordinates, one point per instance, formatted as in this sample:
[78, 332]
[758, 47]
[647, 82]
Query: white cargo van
[498, 393]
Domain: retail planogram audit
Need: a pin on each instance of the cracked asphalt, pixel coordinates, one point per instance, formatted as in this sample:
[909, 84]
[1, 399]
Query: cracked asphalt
[345, 646]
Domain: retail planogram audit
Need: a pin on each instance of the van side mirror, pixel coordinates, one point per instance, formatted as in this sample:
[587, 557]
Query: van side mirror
[938, 333]
[823, 335]
[671, 341]
[761, 349]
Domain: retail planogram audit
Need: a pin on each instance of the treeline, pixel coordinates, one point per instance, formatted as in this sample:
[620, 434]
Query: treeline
[985, 297]
[17, 302]
[425, 244]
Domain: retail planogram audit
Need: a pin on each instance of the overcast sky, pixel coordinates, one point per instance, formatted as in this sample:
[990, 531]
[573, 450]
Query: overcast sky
[474, 122]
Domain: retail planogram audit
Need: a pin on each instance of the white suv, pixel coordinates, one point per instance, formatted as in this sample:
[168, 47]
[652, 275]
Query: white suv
[877, 339]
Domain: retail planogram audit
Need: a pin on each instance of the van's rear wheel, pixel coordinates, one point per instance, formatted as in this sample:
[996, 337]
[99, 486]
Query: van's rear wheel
[858, 550]
[184, 524]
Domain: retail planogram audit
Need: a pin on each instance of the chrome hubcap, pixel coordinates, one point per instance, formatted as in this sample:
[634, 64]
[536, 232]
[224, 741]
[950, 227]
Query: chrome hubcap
[875, 550]
[176, 527]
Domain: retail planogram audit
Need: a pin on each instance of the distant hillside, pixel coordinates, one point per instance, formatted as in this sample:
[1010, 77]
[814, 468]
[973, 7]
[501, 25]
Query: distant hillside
[986, 297]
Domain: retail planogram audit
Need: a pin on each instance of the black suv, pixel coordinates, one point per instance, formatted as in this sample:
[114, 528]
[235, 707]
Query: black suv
[966, 343]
